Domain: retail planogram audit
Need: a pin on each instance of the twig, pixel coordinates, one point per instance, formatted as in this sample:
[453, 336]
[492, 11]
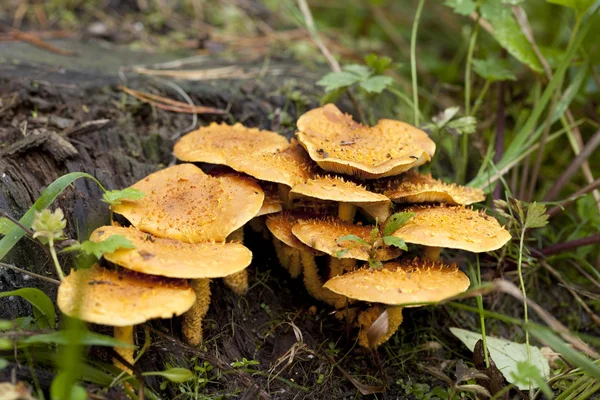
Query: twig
[16, 222]
[572, 244]
[38, 42]
[14, 268]
[169, 104]
[582, 157]
[584, 190]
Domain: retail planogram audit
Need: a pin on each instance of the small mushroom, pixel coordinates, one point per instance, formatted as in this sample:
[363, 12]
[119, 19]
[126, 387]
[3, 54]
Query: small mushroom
[216, 143]
[455, 227]
[122, 299]
[404, 283]
[413, 187]
[339, 144]
[348, 194]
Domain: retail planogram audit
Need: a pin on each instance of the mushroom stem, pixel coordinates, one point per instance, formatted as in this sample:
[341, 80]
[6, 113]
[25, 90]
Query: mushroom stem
[125, 335]
[346, 212]
[314, 285]
[192, 319]
[432, 253]
[337, 266]
[257, 224]
[295, 263]
[284, 253]
[237, 282]
[284, 195]
[369, 316]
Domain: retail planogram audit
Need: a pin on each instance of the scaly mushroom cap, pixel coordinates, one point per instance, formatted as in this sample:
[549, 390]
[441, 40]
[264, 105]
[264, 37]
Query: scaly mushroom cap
[413, 187]
[173, 258]
[454, 227]
[122, 298]
[323, 234]
[332, 188]
[272, 202]
[183, 203]
[216, 143]
[281, 225]
[402, 282]
[290, 167]
[339, 144]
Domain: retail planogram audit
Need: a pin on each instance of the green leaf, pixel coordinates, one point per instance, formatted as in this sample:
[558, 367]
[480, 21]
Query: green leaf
[5, 225]
[376, 84]
[109, 245]
[46, 198]
[526, 372]
[114, 197]
[63, 388]
[85, 338]
[462, 7]
[463, 125]
[378, 64]
[508, 33]
[177, 375]
[375, 264]
[580, 6]
[494, 70]
[536, 216]
[352, 238]
[441, 119]
[341, 253]
[3, 363]
[6, 344]
[43, 308]
[338, 80]
[507, 355]
[333, 96]
[395, 241]
[361, 71]
[397, 221]
[5, 325]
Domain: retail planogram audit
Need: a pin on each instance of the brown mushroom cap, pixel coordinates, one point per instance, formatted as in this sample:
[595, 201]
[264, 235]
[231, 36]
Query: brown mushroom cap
[122, 298]
[455, 227]
[272, 202]
[339, 144]
[332, 188]
[290, 166]
[217, 142]
[281, 225]
[323, 234]
[184, 203]
[402, 282]
[173, 258]
[413, 187]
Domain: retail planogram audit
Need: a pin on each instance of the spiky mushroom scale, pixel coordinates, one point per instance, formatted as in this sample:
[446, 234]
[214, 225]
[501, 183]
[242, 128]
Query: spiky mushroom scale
[192, 319]
[314, 284]
[366, 318]
[125, 335]
[237, 282]
[432, 253]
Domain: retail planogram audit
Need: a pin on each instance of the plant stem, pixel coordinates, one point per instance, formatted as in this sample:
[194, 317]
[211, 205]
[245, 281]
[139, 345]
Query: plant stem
[480, 97]
[479, 300]
[59, 271]
[413, 61]
[522, 283]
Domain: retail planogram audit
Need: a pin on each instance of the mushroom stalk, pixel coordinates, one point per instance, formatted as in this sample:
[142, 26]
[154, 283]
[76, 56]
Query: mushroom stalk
[284, 195]
[432, 253]
[346, 212]
[237, 282]
[125, 335]
[289, 257]
[192, 319]
[314, 285]
[368, 317]
[337, 266]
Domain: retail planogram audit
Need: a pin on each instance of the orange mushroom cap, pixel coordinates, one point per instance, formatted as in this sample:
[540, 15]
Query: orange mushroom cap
[280, 225]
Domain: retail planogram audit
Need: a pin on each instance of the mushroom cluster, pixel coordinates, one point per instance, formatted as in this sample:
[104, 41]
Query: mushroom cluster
[338, 179]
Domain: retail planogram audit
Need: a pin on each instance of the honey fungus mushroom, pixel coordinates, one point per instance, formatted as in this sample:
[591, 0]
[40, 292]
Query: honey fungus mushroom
[413, 187]
[348, 194]
[455, 227]
[398, 284]
[122, 299]
[339, 144]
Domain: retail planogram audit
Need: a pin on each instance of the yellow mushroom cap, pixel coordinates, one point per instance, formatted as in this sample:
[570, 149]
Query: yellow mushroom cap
[323, 234]
[290, 167]
[122, 298]
[413, 187]
[455, 227]
[402, 282]
[334, 188]
[217, 142]
[184, 203]
[281, 225]
[272, 202]
[339, 144]
[173, 258]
